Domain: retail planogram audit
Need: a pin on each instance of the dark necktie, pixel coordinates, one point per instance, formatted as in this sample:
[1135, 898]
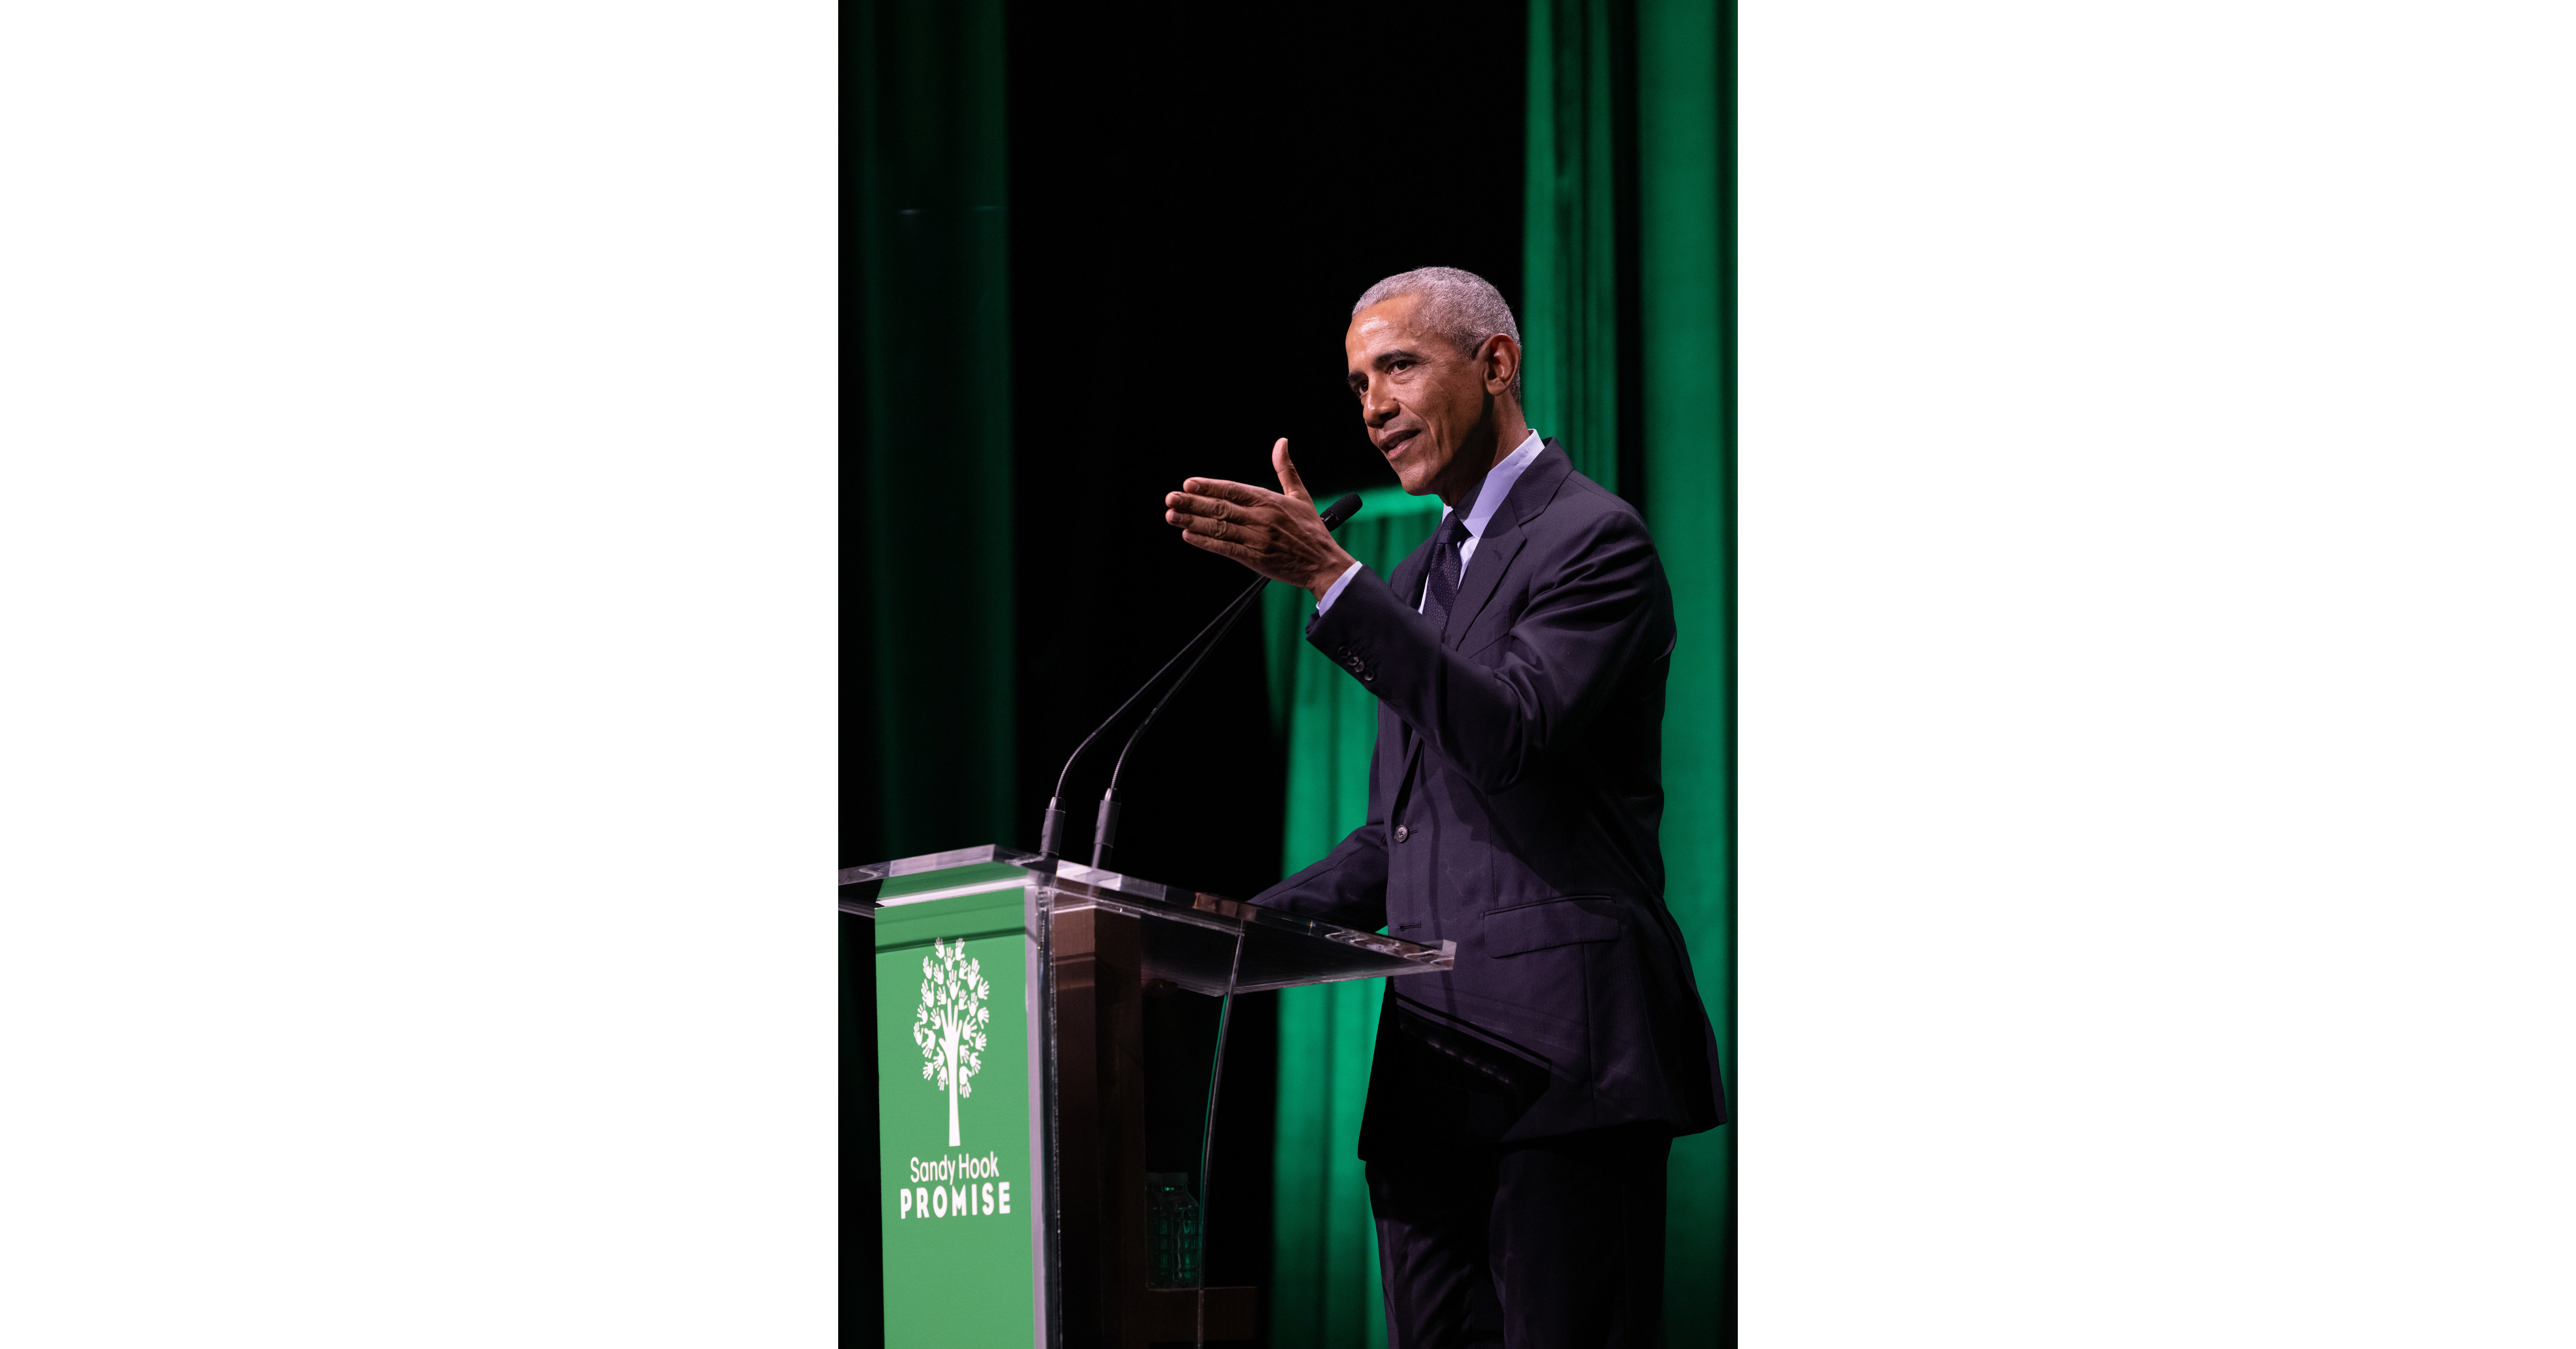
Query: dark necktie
[1445, 567]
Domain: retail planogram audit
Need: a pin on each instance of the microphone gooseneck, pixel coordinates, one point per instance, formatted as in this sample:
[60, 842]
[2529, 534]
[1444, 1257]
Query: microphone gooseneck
[1051, 823]
[1105, 835]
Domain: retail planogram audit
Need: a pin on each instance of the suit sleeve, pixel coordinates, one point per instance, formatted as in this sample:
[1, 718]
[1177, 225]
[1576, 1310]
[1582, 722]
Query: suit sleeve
[1587, 621]
[1347, 887]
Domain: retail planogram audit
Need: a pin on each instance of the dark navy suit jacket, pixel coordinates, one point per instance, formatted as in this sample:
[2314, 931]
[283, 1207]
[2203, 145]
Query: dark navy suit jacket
[1513, 806]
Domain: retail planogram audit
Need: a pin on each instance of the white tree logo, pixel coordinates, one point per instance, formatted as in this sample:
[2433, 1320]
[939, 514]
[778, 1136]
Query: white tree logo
[950, 1027]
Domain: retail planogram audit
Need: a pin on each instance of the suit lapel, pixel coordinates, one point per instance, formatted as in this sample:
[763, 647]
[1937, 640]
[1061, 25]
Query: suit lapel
[1408, 754]
[1407, 582]
[1504, 535]
[1493, 557]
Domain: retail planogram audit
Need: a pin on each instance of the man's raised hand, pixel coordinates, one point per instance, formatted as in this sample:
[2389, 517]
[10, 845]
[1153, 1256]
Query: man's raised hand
[1277, 534]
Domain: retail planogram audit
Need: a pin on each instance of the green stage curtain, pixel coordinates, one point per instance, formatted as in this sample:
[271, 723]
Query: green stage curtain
[1324, 1284]
[1570, 245]
[1686, 331]
[933, 592]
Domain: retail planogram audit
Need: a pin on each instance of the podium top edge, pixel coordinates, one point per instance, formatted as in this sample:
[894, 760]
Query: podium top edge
[1074, 881]
[937, 861]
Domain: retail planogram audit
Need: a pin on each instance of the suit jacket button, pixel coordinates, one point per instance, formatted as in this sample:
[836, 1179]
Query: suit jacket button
[1402, 833]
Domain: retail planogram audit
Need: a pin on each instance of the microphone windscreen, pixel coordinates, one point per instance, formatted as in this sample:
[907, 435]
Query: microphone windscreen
[1342, 510]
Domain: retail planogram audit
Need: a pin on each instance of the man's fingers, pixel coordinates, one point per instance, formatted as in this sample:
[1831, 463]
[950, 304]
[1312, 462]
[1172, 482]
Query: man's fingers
[1190, 512]
[1251, 525]
[1211, 526]
[1239, 493]
[1222, 522]
[1183, 504]
[1289, 482]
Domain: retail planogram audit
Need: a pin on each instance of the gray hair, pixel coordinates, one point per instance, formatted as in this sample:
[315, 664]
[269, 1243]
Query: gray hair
[1461, 306]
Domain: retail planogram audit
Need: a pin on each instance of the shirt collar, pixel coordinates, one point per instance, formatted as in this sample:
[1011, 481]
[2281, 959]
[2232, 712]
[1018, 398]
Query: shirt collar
[1497, 486]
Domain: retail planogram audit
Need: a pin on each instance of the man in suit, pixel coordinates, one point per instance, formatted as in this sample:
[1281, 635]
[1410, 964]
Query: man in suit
[1521, 1107]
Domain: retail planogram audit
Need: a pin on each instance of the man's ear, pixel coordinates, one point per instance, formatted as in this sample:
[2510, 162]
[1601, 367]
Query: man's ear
[1502, 361]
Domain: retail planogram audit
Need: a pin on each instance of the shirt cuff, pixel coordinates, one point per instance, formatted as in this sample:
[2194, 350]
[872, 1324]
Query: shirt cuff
[1334, 592]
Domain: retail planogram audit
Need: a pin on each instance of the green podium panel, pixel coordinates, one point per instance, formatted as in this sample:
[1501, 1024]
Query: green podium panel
[1011, 1100]
[961, 1205]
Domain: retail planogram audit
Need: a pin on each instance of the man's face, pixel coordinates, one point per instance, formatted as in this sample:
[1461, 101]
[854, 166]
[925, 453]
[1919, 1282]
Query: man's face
[1424, 403]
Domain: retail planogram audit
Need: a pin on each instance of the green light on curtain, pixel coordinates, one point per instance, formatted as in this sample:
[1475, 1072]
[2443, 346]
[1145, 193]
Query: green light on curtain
[1686, 335]
[1570, 238]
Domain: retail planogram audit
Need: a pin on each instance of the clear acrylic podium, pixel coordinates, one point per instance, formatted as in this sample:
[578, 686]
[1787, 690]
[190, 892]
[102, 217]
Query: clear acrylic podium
[1017, 1085]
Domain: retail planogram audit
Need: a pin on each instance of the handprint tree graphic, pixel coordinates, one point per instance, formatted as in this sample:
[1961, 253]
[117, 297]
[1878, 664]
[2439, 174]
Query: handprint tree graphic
[950, 1026]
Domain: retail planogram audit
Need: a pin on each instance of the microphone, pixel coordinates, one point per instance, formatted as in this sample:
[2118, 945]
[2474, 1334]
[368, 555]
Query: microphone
[1104, 834]
[1051, 824]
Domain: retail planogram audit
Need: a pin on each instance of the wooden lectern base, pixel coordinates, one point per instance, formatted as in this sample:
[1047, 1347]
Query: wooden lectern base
[1172, 1314]
[1100, 1058]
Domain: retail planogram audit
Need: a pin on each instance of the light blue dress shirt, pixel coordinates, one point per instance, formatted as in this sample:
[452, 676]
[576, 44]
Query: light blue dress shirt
[1489, 499]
